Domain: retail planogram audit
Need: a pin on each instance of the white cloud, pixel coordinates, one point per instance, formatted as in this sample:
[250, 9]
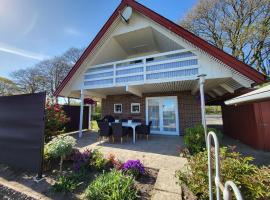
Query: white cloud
[72, 31]
[21, 52]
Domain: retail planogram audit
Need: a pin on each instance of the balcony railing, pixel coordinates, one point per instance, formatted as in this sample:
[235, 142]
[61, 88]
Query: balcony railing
[157, 68]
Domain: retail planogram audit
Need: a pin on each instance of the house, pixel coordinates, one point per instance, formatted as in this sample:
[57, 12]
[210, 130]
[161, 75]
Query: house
[143, 66]
[253, 110]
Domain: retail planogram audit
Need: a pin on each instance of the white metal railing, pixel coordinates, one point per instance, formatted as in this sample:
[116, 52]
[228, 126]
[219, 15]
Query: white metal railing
[225, 189]
[174, 65]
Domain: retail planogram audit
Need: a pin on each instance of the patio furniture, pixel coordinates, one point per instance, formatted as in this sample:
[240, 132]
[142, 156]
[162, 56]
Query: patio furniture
[144, 129]
[108, 118]
[104, 129]
[132, 125]
[137, 120]
[119, 131]
[123, 120]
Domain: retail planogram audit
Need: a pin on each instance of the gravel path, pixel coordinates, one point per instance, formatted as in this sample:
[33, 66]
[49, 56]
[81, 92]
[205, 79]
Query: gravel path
[9, 194]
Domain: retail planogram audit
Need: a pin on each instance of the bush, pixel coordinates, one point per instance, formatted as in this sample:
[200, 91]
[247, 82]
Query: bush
[112, 186]
[55, 120]
[96, 116]
[253, 182]
[98, 161]
[60, 147]
[67, 183]
[94, 126]
[194, 138]
[114, 163]
[213, 110]
[134, 168]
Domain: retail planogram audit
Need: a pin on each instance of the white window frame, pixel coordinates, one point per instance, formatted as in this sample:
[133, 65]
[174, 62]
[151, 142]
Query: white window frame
[117, 104]
[135, 104]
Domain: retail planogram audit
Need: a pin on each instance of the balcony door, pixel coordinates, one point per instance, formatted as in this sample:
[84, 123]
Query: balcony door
[163, 112]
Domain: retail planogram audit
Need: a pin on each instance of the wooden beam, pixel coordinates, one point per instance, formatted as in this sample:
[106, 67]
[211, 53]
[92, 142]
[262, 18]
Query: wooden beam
[133, 90]
[195, 88]
[94, 94]
[241, 80]
[217, 91]
[211, 94]
[226, 87]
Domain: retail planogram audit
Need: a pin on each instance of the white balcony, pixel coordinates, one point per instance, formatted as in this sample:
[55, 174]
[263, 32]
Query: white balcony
[164, 67]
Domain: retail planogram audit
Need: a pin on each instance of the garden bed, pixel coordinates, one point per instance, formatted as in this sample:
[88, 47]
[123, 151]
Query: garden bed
[143, 184]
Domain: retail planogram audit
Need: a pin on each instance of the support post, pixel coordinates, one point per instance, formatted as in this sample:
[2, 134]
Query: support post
[89, 117]
[81, 114]
[201, 82]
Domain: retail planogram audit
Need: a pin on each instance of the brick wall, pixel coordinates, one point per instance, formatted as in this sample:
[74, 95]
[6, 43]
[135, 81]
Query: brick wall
[189, 107]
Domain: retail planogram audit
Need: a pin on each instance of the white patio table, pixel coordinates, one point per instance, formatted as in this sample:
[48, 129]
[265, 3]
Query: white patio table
[133, 126]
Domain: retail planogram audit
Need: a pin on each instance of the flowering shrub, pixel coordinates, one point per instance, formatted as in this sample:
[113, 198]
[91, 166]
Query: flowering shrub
[253, 181]
[133, 167]
[97, 160]
[80, 159]
[59, 147]
[114, 163]
[55, 119]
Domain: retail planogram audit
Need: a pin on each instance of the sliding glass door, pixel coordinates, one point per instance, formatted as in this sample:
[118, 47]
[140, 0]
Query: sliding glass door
[163, 112]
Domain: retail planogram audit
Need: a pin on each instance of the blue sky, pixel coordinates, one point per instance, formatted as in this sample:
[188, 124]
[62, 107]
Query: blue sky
[32, 30]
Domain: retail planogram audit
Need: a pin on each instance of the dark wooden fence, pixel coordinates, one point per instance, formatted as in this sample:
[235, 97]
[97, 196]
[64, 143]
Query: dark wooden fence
[73, 112]
[22, 131]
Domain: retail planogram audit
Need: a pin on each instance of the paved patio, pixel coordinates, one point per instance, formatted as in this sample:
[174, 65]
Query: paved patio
[159, 152]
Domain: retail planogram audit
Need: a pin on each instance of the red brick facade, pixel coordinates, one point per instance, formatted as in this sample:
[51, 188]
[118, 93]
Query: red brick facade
[188, 106]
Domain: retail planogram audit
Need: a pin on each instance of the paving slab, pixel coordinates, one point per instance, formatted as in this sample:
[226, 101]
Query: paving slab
[166, 181]
[162, 195]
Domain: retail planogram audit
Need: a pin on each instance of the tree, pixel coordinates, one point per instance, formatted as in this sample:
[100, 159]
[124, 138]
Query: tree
[72, 55]
[7, 87]
[29, 80]
[55, 70]
[47, 74]
[239, 27]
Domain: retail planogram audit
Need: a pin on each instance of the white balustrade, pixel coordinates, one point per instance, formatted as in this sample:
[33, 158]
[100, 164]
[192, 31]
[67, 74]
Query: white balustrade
[174, 65]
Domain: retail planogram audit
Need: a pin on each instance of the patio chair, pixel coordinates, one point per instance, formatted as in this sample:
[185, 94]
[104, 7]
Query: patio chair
[123, 120]
[144, 129]
[137, 120]
[104, 129]
[108, 118]
[118, 131]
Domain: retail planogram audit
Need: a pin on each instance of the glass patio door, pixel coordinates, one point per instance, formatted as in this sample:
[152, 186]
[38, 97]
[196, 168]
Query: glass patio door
[163, 112]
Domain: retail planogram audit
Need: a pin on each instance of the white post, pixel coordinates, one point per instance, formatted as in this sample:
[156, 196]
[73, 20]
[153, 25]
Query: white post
[201, 82]
[89, 117]
[81, 114]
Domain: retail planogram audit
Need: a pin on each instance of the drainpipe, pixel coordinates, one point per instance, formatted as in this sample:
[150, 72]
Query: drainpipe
[201, 82]
[81, 114]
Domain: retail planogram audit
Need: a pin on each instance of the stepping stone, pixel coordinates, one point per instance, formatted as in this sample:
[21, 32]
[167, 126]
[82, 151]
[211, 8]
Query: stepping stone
[162, 195]
[166, 181]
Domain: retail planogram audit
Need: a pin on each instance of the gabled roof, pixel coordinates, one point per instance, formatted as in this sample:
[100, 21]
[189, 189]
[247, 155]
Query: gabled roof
[229, 60]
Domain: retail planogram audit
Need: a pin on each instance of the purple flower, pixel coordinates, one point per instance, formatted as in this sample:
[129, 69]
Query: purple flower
[135, 167]
[81, 159]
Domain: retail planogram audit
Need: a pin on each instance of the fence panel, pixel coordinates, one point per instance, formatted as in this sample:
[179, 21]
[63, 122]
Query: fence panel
[22, 131]
[73, 112]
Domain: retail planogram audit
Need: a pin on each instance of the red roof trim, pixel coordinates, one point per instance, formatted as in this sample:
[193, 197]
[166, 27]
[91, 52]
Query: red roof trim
[192, 38]
[91, 46]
